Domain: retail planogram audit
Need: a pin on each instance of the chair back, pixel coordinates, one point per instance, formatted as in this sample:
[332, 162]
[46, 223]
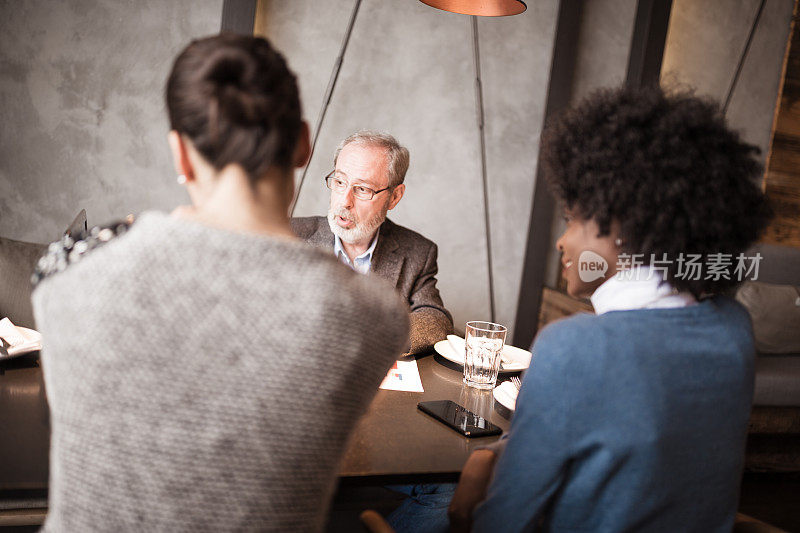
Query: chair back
[779, 264]
[17, 261]
[79, 228]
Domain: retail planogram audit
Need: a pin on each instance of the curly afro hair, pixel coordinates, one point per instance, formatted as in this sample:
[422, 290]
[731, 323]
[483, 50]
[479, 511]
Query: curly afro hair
[668, 170]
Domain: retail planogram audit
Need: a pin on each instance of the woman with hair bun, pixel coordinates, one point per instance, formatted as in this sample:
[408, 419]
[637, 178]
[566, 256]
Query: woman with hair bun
[204, 368]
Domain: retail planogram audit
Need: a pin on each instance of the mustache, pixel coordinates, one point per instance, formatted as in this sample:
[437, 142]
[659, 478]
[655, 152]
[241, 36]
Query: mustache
[344, 213]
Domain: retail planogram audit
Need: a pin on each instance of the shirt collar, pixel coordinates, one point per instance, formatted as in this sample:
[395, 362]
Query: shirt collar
[638, 288]
[338, 250]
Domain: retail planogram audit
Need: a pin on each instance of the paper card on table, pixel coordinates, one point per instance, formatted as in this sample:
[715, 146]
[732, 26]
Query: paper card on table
[403, 376]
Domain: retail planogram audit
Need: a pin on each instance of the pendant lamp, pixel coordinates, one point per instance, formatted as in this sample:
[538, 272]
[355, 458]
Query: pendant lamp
[483, 8]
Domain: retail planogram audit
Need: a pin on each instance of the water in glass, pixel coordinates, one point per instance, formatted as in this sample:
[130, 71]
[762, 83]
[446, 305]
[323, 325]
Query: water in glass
[484, 343]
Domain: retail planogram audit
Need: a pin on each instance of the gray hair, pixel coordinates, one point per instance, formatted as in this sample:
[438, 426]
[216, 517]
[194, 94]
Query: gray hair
[397, 157]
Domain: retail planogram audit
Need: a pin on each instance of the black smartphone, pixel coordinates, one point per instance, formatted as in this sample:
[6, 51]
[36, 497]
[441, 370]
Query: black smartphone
[459, 418]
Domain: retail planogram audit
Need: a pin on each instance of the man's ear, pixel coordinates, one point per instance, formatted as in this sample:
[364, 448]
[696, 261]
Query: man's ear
[397, 193]
[180, 155]
[302, 151]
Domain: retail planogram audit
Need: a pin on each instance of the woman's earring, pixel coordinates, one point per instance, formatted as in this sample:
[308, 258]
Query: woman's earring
[181, 179]
[618, 242]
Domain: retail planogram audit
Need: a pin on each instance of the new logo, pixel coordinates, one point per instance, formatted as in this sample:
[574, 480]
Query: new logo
[591, 266]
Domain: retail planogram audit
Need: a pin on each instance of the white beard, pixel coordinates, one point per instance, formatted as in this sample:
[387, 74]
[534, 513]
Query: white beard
[361, 231]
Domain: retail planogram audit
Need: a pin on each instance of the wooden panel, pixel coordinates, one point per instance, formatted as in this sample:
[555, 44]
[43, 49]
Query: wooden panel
[557, 305]
[782, 178]
[774, 420]
[22, 517]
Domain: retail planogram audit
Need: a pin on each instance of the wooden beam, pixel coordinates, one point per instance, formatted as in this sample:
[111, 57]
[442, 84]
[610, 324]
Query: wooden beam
[22, 517]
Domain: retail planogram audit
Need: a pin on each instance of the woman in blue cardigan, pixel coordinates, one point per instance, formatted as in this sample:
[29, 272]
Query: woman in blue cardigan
[634, 418]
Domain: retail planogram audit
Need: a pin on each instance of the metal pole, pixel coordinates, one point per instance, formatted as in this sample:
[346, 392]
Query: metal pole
[327, 98]
[479, 106]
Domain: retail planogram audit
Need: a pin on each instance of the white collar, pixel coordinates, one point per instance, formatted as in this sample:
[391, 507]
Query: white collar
[338, 249]
[638, 288]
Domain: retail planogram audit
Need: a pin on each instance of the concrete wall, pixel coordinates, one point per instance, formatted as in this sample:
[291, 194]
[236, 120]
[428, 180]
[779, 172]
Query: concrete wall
[81, 108]
[704, 44]
[81, 104]
[604, 40]
[409, 71]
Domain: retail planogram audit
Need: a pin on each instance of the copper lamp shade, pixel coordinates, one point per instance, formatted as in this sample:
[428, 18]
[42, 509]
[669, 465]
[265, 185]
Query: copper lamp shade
[483, 8]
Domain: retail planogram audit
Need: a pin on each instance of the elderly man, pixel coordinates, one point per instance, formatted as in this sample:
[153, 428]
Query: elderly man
[367, 181]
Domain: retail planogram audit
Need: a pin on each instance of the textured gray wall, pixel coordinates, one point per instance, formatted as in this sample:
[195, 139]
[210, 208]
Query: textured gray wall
[409, 70]
[604, 40]
[704, 43]
[81, 104]
[81, 108]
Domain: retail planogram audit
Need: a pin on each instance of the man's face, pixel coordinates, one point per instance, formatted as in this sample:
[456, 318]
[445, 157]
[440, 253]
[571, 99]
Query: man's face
[355, 221]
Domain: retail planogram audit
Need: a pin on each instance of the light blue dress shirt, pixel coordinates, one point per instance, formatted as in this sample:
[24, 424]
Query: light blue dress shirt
[363, 262]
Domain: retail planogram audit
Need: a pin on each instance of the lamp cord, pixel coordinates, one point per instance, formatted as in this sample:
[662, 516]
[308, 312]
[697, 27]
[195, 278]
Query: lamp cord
[327, 99]
[746, 49]
[480, 116]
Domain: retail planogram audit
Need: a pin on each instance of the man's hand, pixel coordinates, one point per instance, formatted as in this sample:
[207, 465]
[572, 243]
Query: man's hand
[471, 489]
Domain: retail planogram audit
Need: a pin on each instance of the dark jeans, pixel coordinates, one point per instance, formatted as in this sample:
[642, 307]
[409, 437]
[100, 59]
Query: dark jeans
[425, 509]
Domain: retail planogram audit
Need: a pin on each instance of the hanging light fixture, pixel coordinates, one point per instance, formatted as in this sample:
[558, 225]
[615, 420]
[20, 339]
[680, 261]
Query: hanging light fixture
[483, 8]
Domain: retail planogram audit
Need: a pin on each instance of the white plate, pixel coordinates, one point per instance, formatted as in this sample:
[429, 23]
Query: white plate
[33, 342]
[514, 359]
[506, 395]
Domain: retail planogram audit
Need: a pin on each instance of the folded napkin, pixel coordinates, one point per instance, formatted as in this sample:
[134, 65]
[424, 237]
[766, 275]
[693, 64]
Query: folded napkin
[458, 345]
[11, 333]
[22, 340]
[506, 394]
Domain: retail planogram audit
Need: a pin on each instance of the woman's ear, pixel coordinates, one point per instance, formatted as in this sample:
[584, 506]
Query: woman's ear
[302, 151]
[180, 155]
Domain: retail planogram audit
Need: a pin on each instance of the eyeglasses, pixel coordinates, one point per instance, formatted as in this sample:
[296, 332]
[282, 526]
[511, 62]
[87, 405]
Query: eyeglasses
[339, 186]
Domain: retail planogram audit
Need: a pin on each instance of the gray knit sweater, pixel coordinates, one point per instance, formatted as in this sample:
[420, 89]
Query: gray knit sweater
[201, 380]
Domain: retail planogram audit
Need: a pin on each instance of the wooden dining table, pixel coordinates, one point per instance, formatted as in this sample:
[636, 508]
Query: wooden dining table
[393, 442]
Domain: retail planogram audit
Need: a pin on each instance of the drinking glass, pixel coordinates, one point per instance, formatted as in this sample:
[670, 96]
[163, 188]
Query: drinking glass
[482, 358]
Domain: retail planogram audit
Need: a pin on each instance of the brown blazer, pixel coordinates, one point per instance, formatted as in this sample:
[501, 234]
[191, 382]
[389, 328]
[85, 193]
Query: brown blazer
[408, 261]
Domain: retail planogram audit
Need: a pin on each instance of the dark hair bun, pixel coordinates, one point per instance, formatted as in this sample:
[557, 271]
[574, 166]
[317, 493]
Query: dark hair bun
[236, 99]
[229, 78]
[229, 66]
